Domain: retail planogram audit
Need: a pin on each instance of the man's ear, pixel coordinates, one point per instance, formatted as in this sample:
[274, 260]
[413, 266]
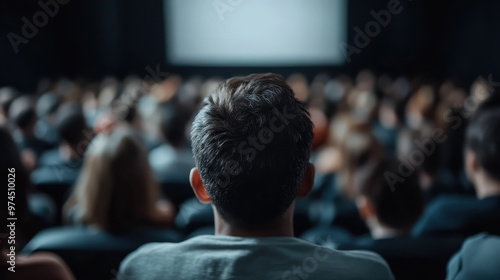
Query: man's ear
[198, 187]
[365, 208]
[471, 165]
[307, 181]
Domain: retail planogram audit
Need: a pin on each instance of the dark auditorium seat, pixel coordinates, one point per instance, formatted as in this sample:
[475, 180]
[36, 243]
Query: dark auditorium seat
[177, 191]
[56, 180]
[412, 258]
[94, 254]
[58, 192]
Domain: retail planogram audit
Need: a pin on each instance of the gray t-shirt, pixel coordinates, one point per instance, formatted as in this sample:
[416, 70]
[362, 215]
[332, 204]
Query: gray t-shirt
[225, 257]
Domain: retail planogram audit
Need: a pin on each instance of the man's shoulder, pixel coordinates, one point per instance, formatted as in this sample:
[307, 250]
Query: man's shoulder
[152, 250]
[145, 256]
[368, 264]
[347, 264]
[482, 241]
[452, 202]
[355, 263]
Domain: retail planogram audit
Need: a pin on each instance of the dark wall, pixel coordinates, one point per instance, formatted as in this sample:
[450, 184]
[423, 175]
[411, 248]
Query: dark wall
[89, 39]
[94, 38]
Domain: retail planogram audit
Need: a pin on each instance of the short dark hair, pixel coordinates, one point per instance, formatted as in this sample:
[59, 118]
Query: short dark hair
[173, 121]
[71, 123]
[483, 136]
[398, 200]
[252, 142]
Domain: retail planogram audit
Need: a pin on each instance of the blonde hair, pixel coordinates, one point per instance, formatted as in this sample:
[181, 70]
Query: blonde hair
[116, 188]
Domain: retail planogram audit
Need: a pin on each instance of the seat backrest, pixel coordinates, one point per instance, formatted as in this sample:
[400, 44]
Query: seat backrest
[177, 192]
[58, 192]
[95, 254]
[413, 257]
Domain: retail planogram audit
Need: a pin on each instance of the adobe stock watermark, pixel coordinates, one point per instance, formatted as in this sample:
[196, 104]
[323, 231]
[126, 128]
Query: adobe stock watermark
[256, 143]
[417, 156]
[119, 109]
[49, 9]
[223, 6]
[372, 29]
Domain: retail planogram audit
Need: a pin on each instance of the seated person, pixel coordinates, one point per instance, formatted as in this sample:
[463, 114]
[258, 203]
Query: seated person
[478, 259]
[133, 119]
[389, 203]
[252, 142]
[23, 117]
[466, 215]
[422, 142]
[46, 110]
[116, 190]
[173, 160]
[37, 266]
[63, 164]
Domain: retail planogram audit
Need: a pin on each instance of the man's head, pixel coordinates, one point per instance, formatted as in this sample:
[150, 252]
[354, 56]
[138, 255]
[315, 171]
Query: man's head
[71, 125]
[483, 145]
[173, 122]
[251, 142]
[393, 201]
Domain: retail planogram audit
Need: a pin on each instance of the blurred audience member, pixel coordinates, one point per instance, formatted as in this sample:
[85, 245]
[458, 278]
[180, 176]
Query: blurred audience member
[389, 203]
[23, 117]
[387, 126]
[116, 190]
[173, 160]
[421, 151]
[46, 110]
[468, 215]
[63, 163]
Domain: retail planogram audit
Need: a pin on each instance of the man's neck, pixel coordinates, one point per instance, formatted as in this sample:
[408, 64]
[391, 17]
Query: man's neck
[486, 187]
[383, 232]
[379, 231]
[279, 229]
[488, 191]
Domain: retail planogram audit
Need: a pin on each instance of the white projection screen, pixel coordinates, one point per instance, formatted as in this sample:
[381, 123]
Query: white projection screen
[255, 32]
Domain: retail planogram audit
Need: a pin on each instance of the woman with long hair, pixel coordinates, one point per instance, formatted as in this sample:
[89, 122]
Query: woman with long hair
[116, 190]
